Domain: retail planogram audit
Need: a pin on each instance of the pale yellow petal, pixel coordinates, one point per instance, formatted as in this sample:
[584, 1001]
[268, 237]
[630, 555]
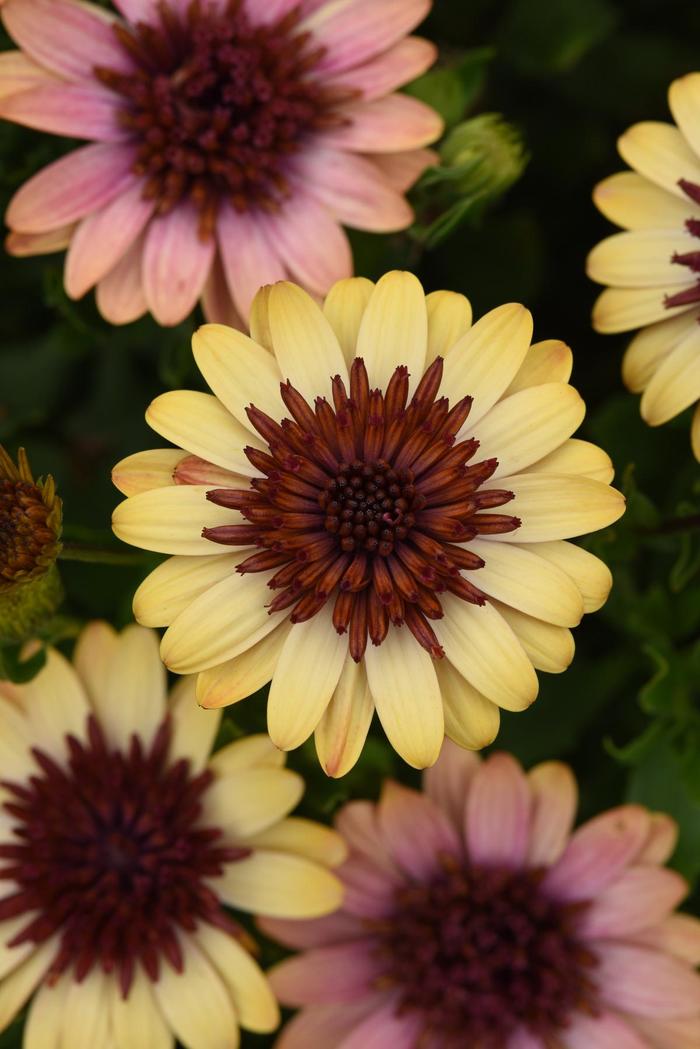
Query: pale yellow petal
[45, 1015]
[675, 383]
[260, 319]
[16, 739]
[85, 1020]
[344, 307]
[406, 693]
[194, 729]
[142, 471]
[252, 996]
[660, 153]
[170, 520]
[633, 202]
[137, 1022]
[622, 309]
[16, 988]
[11, 957]
[449, 318]
[133, 700]
[92, 657]
[175, 583]
[484, 362]
[591, 575]
[280, 885]
[246, 801]
[19, 73]
[221, 623]
[196, 1003]
[557, 506]
[243, 675]
[528, 425]
[303, 838]
[485, 651]
[238, 371]
[340, 734]
[684, 100]
[394, 329]
[200, 423]
[640, 258]
[250, 752]
[305, 678]
[651, 346]
[521, 578]
[471, 720]
[576, 457]
[304, 343]
[548, 361]
[56, 705]
[549, 648]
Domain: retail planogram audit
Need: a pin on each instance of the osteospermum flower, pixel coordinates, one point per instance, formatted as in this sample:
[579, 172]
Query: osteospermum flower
[229, 142]
[473, 916]
[121, 841]
[654, 266]
[370, 511]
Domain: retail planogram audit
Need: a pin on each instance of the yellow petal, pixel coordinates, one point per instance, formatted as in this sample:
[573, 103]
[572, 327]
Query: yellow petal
[622, 309]
[243, 675]
[394, 329]
[260, 318]
[485, 651]
[684, 100]
[170, 520]
[244, 802]
[471, 720]
[305, 678]
[175, 583]
[133, 700]
[142, 471]
[340, 734]
[485, 361]
[577, 457]
[45, 1016]
[555, 799]
[194, 729]
[200, 423]
[238, 371]
[196, 1003]
[557, 506]
[548, 647]
[92, 656]
[651, 346]
[137, 1022]
[279, 885]
[591, 575]
[85, 1020]
[303, 838]
[633, 202]
[675, 383]
[56, 705]
[548, 361]
[344, 307]
[252, 996]
[449, 318]
[16, 988]
[528, 425]
[406, 693]
[304, 343]
[640, 258]
[250, 752]
[660, 153]
[522, 579]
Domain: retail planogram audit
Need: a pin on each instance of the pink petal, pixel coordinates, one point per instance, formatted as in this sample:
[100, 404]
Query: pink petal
[598, 853]
[640, 897]
[248, 258]
[647, 983]
[19, 73]
[555, 799]
[341, 973]
[400, 64]
[21, 244]
[497, 826]
[217, 303]
[323, 1026]
[86, 179]
[416, 831]
[333, 928]
[103, 237]
[602, 1032]
[358, 823]
[66, 37]
[139, 10]
[402, 170]
[176, 263]
[369, 891]
[522, 1039]
[353, 189]
[386, 125]
[310, 243]
[448, 782]
[670, 1034]
[79, 110]
[193, 470]
[352, 31]
[120, 297]
[385, 1028]
[267, 11]
[662, 840]
[679, 934]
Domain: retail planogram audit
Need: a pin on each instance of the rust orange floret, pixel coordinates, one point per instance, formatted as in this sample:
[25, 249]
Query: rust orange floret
[30, 522]
[369, 502]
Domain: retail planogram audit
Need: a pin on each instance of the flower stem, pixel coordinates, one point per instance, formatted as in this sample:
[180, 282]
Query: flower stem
[100, 555]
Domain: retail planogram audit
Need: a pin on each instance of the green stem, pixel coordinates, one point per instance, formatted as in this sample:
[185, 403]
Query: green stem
[100, 555]
[691, 523]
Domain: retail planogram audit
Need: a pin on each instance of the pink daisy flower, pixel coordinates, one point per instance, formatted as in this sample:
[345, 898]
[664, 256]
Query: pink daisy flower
[230, 140]
[473, 916]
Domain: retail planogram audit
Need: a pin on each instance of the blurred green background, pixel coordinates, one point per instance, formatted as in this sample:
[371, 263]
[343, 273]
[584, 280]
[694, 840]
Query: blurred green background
[570, 76]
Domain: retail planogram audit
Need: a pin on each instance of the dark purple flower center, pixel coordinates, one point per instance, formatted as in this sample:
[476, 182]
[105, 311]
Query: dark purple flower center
[480, 952]
[368, 503]
[217, 105]
[691, 259]
[110, 853]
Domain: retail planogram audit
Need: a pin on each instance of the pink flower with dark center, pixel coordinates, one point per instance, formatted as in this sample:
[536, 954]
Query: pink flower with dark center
[473, 916]
[230, 140]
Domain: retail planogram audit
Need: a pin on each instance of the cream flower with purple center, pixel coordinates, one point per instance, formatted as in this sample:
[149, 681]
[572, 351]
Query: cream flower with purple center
[122, 843]
[371, 511]
[653, 268]
[230, 141]
[474, 916]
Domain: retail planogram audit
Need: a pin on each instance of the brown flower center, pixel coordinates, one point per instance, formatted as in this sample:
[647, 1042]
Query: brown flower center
[691, 259]
[480, 952]
[109, 851]
[217, 105]
[25, 532]
[370, 503]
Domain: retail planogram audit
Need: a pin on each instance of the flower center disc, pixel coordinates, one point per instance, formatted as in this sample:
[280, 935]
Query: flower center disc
[24, 532]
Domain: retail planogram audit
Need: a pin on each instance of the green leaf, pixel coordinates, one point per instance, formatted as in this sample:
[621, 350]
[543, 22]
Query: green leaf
[451, 90]
[14, 668]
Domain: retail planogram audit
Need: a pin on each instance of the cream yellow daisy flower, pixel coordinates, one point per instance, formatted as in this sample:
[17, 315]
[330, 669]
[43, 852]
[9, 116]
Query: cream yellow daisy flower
[121, 841]
[371, 511]
[653, 267]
